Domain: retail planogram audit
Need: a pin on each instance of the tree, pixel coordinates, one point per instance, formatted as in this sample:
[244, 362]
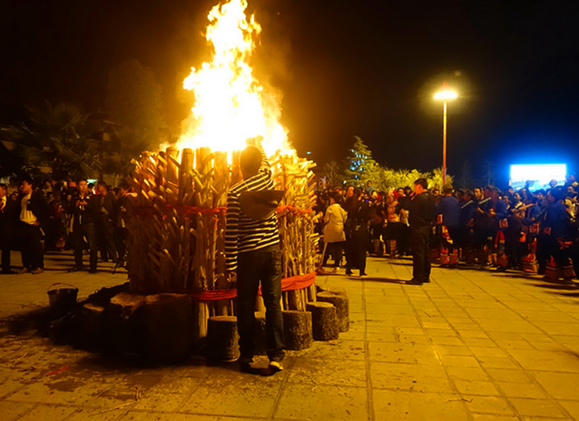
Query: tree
[55, 139]
[361, 166]
[332, 171]
[488, 168]
[135, 101]
[466, 175]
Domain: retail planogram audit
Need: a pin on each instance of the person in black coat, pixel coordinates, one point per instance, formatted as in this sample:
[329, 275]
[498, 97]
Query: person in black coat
[34, 214]
[421, 218]
[105, 222]
[84, 210]
[9, 212]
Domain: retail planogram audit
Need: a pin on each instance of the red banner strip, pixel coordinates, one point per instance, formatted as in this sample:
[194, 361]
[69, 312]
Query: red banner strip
[287, 284]
[188, 210]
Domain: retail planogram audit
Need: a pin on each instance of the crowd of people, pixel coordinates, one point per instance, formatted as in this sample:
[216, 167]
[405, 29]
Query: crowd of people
[62, 215]
[528, 230]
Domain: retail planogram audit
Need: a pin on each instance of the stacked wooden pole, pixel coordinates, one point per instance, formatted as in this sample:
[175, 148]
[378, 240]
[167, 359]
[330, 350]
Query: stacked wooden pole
[178, 219]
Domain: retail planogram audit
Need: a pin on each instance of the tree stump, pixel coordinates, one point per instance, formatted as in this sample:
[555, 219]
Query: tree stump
[168, 324]
[259, 334]
[324, 321]
[337, 291]
[341, 303]
[125, 319]
[93, 326]
[297, 326]
[222, 338]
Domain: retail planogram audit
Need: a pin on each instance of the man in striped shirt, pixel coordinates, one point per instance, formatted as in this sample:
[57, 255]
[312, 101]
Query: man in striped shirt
[252, 249]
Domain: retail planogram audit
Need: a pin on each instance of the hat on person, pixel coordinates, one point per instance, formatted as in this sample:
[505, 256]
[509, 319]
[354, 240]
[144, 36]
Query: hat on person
[260, 205]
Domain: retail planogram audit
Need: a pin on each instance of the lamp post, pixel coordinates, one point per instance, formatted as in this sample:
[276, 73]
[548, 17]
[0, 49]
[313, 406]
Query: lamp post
[444, 94]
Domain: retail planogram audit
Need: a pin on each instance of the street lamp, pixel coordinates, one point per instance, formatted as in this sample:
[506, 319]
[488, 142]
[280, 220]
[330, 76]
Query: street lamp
[445, 94]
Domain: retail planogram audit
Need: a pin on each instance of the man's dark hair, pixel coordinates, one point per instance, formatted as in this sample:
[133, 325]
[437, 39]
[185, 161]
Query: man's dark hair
[447, 188]
[102, 183]
[250, 161]
[468, 193]
[336, 196]
[124, 185]
[557, 193]
[422, 182]
[82, 179]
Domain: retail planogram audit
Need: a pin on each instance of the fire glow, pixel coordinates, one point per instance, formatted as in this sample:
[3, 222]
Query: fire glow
[230, 104]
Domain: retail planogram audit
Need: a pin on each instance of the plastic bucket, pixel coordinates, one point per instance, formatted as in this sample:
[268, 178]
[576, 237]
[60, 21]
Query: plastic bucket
[62, 299]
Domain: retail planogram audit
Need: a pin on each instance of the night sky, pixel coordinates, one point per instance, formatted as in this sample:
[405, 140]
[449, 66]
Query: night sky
[363, 67]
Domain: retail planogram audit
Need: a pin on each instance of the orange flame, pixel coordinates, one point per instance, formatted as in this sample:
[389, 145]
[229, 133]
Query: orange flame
[230, 104]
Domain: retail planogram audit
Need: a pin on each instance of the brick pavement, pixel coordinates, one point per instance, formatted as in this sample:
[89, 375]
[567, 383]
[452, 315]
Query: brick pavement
[472, 345]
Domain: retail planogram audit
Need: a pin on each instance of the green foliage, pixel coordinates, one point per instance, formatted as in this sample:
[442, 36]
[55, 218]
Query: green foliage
[55, 138]
[333, 173]
[361, 168]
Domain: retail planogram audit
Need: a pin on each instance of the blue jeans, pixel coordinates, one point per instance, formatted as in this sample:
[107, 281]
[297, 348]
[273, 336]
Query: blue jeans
[261, 265]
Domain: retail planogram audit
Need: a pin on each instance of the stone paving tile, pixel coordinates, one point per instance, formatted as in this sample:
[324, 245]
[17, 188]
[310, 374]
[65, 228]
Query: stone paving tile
[521, 390]
[452, 350]
[467, 373]
[489, 417]
[559, 385]
[402, 352]
[572, 407]
[329, 372]
[91, 414]
[390, 405]
[343, 350]
[536, 407]
[459, 361]
[508, 376]
[12, 410]
[48, 412]
[546, 360]
[472, 387]
[488, 405]
[250, 398]
[410, 377]
[303, 402]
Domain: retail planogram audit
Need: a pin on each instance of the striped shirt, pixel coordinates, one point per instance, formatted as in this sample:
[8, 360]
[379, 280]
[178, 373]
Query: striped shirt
[243, 234]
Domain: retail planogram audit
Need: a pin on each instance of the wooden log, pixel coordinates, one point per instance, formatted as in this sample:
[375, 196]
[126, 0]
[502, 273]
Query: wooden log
[125, 319]
[168, 327]
[324, 321]
[185, 178]
[172, 169]
[93, 326]
[222, 338]
[259, 334]
[297, 326]
[341, 302]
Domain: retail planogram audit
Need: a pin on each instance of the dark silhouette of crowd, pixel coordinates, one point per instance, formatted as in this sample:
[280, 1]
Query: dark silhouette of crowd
[534, 231]
[62, 215]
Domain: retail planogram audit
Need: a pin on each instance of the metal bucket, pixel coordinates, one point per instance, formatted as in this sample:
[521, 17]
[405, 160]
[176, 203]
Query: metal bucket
[62, 300]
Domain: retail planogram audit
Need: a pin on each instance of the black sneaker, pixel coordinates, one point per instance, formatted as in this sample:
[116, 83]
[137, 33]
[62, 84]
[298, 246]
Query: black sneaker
[414, 281]
[349, 272]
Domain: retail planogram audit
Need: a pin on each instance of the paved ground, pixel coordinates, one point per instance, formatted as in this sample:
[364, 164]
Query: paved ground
[472, 345]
